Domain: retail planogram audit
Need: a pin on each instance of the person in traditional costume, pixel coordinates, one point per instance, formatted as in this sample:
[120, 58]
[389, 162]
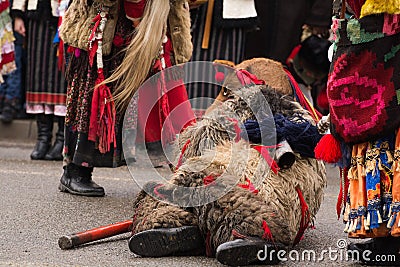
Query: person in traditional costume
[266, 205]
[282, 23]
[10, 90]
[45, 83]
[115, 46]
[364, 126]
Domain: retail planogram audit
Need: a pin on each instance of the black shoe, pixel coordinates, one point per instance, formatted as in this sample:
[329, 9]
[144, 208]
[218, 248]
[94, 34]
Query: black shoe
[55, 152]
[248, 251]
[78, 181]
[384, 251]
[45, 132]
[8, 114]
[167, 242]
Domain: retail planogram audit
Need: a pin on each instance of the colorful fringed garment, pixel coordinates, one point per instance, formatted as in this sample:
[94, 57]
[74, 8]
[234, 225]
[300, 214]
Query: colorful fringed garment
[364, 94]
[7, 63]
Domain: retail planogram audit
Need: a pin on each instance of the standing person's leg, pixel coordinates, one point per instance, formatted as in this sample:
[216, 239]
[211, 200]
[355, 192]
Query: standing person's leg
[77, 180]
[3, 88]
[12, 89]
[55, 152]
[280, 28]
[44, 124]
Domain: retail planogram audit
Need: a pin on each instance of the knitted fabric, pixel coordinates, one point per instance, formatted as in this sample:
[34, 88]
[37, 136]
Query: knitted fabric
[363, 82]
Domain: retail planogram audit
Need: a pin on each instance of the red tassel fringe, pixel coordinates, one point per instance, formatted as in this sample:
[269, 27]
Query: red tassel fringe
[328, 149]
[267, 232]
[305, 217]
[102, 117]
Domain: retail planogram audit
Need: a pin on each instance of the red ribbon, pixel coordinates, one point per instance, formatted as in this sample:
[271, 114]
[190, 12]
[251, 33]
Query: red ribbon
[181, 155]
[93, 44]
[247, 78]
[302, 99]
[267, 232]
[250, 186]
[305, 217]
[271, 162]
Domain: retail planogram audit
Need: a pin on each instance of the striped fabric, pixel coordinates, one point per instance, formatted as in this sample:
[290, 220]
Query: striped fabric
[45, 83]
[227, 44]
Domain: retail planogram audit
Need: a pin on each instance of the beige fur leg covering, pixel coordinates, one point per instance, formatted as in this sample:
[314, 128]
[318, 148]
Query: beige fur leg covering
[150, 213]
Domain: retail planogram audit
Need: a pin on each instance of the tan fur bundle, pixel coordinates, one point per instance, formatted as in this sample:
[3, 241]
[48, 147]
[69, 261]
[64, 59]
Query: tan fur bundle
[268, 70]
[77, 23]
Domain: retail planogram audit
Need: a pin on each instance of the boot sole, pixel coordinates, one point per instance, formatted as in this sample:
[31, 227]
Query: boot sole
[65, 189]
[166, 241]
[237, 255]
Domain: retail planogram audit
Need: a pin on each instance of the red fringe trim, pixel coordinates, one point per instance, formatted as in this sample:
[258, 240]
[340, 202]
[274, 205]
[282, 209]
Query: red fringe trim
[267, 232]
[305, 217]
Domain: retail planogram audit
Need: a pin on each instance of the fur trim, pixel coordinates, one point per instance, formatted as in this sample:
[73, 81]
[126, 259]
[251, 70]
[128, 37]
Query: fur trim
[179, 24]
[77, 23]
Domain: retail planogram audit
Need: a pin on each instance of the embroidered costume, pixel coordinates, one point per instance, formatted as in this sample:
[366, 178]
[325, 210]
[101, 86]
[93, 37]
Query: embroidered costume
[364, 112]
[45, 82]
[109, 62]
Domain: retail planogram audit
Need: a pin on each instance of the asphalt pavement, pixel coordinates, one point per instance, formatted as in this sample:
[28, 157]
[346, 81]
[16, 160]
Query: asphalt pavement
[34, 214]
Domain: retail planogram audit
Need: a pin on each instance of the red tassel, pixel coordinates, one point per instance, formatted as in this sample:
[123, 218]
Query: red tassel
[181, 155]
[267, 232]
[93, 52]
[305, 217]
[102, 117]
[341, 201]
[328, 149]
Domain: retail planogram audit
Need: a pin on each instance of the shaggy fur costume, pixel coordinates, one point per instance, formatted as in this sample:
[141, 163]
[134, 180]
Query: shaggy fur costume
[273, 212]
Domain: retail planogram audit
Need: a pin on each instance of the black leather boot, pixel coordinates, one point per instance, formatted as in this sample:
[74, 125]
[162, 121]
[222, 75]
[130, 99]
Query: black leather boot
[248, 251]
[9, 111]
[160, 242]
[55, 152]
[78, 181]
[45, 131]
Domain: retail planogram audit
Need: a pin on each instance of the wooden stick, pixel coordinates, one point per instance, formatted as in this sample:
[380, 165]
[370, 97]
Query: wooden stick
[70, 241]
[207, 27]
